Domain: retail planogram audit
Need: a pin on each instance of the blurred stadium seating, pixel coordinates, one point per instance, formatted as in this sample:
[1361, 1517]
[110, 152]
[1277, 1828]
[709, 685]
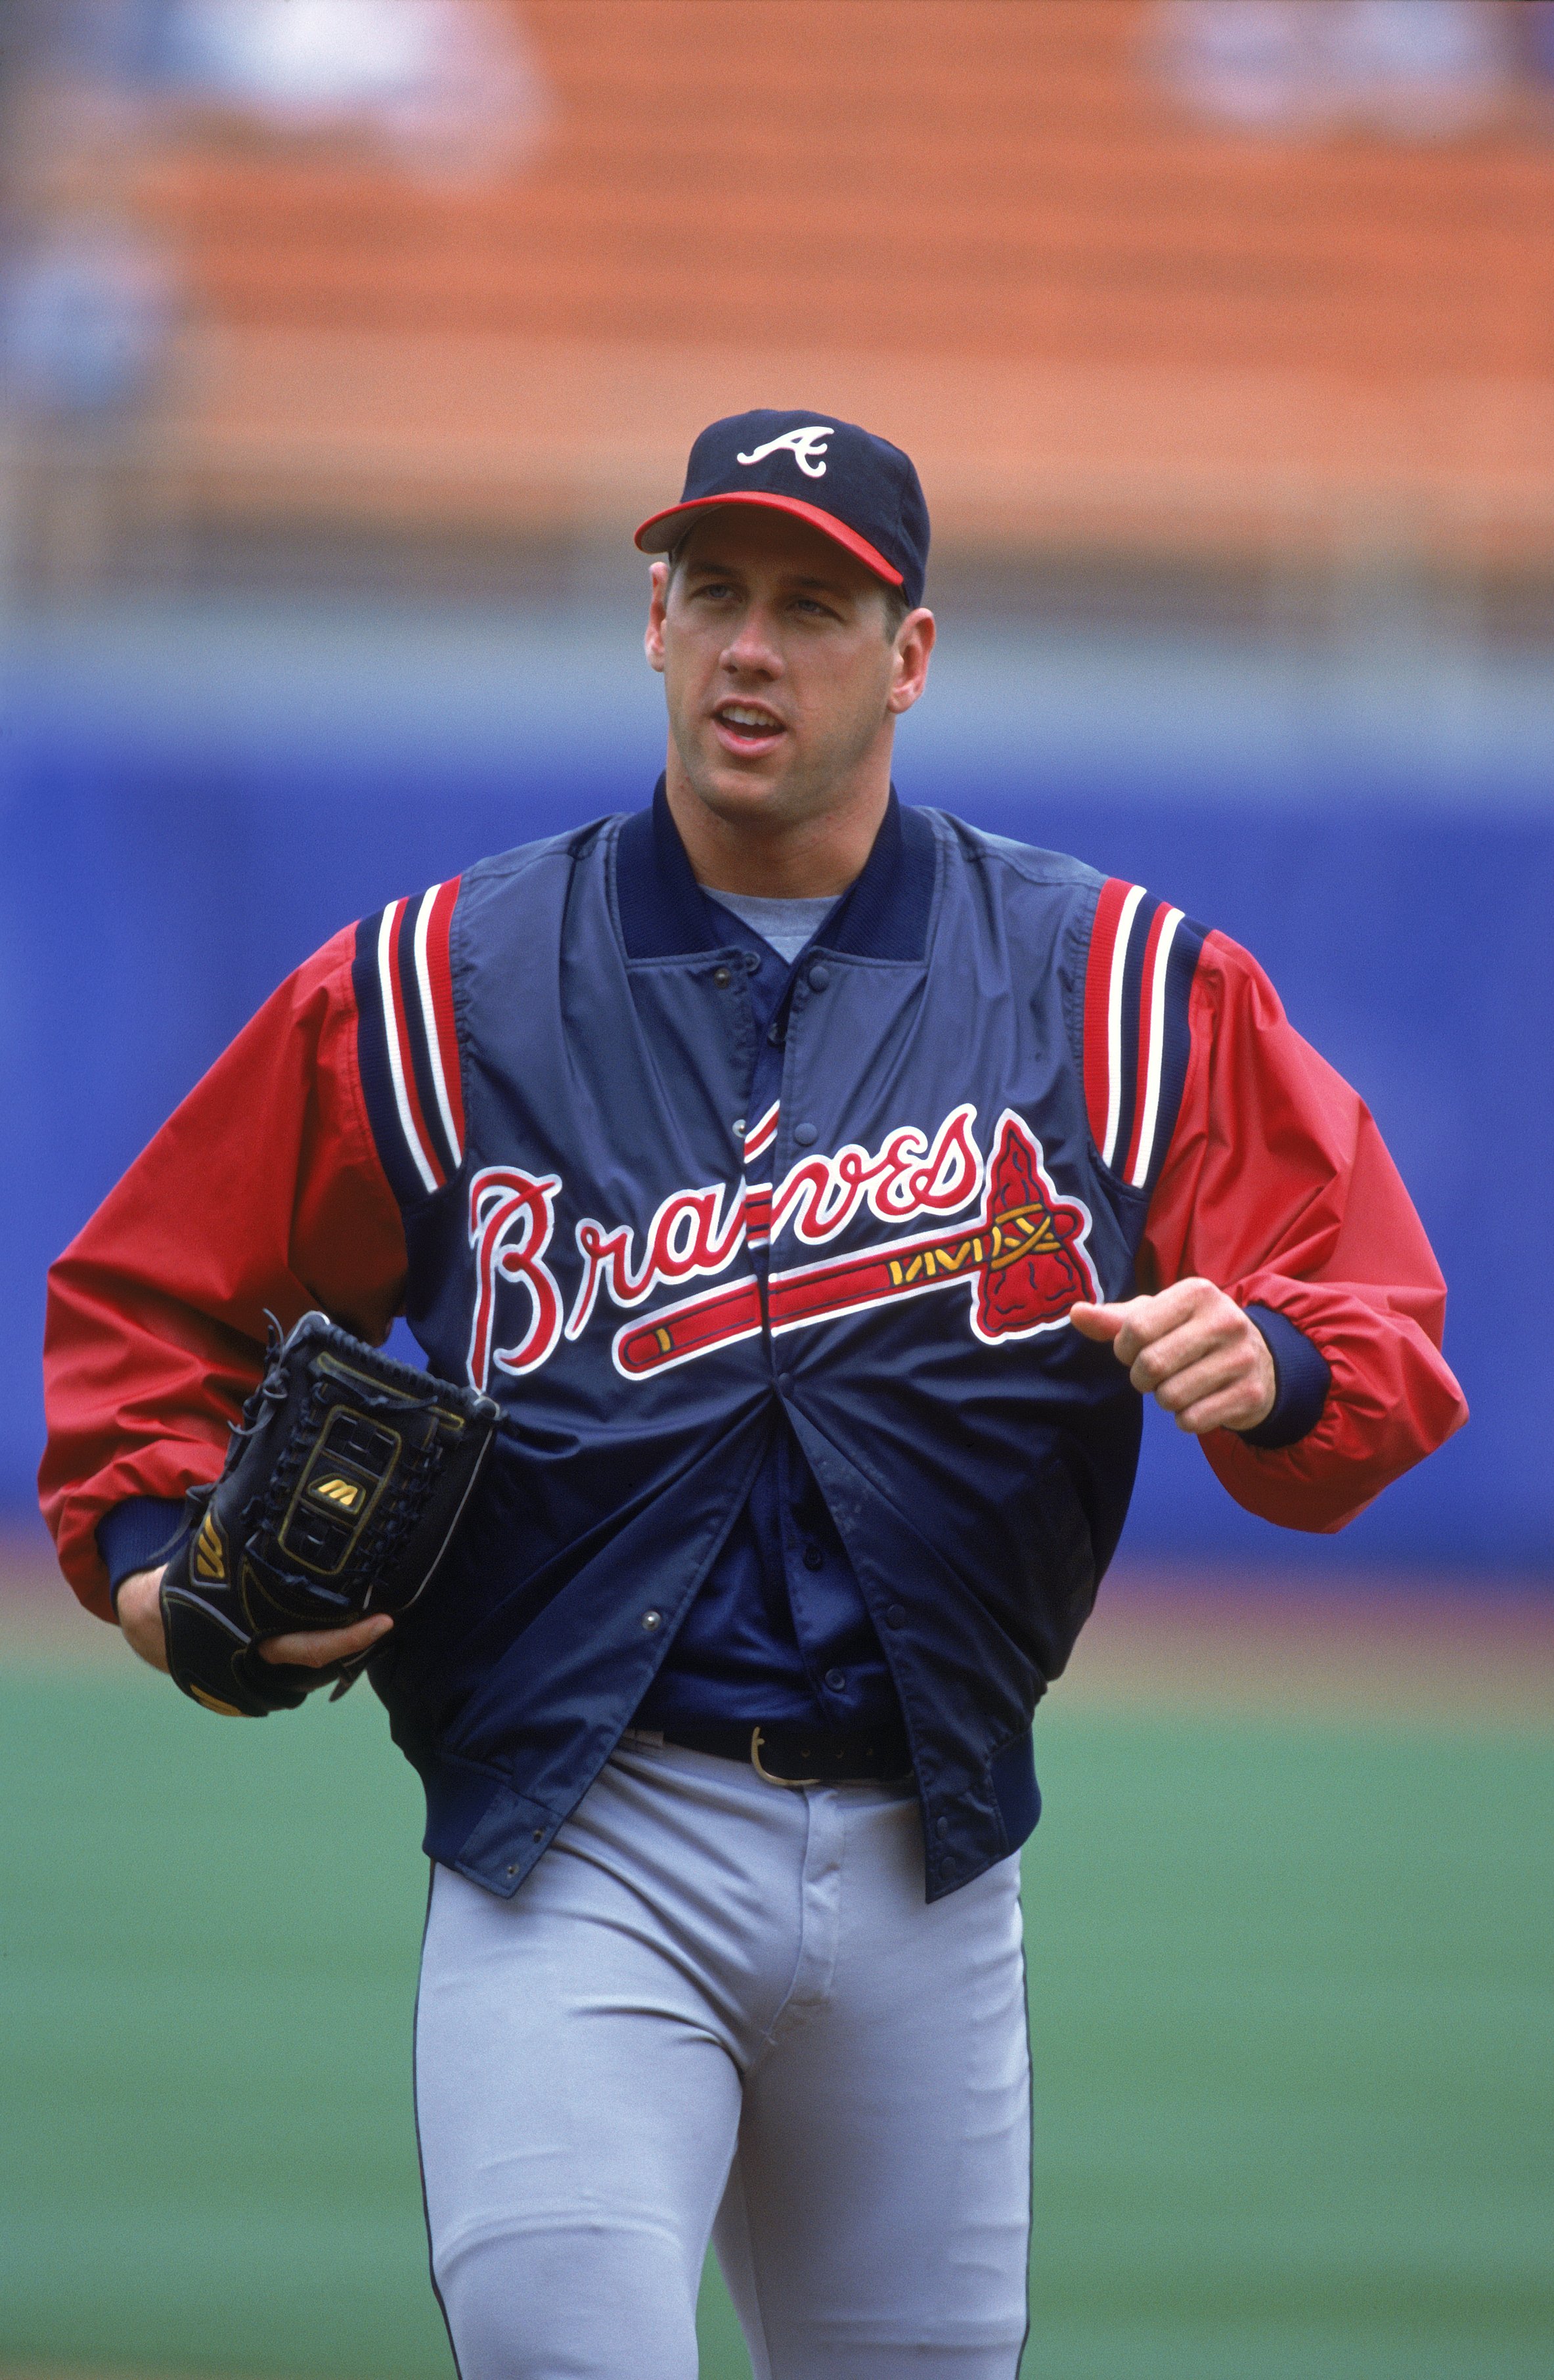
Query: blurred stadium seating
[1013, 236]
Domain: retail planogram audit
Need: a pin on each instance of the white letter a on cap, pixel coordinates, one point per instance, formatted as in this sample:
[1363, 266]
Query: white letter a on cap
[805, 445]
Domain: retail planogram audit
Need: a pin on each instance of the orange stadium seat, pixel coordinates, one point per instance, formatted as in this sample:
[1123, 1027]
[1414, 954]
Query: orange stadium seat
[981, 224]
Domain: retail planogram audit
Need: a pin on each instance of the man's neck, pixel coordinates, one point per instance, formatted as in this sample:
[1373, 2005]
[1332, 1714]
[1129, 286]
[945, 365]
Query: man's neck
[813, 859]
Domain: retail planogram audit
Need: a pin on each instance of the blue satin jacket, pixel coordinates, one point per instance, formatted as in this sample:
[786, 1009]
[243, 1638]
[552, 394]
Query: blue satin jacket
[643, 1274]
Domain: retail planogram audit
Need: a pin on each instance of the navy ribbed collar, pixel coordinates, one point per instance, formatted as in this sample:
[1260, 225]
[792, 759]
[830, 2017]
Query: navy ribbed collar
[665, 914]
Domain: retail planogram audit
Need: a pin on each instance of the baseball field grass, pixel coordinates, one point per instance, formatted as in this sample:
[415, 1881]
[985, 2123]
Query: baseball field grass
[1289, 1925]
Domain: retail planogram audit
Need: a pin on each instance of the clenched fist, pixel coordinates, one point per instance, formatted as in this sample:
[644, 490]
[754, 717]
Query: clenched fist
[1194, 1351]
[140, 1617]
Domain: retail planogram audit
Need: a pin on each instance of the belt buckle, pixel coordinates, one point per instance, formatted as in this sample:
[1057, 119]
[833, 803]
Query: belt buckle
[793, 1783]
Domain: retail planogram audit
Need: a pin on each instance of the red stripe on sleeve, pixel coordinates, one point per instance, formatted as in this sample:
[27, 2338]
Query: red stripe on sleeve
[1146, 1021]
[402, 1038]
[1097, 984]
[439, 968]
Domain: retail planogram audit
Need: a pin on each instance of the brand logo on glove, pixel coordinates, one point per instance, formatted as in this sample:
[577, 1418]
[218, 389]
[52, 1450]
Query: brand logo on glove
[1023, 1255]
[346, 1494]
[210, 1561]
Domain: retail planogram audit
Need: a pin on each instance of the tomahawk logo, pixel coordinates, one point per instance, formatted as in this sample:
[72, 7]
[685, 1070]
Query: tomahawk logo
[1022, 1256]
[805, 446]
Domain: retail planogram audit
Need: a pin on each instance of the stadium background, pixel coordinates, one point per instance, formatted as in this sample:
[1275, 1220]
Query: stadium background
[344, 342]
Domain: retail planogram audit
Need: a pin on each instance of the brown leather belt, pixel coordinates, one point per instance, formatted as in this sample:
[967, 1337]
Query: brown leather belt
[788, 1754]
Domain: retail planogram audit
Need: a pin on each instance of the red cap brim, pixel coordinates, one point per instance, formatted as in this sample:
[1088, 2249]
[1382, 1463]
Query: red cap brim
[661, 530]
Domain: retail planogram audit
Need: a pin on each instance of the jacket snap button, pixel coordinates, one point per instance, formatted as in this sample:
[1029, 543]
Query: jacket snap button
[818, 977]
[805, 1135]
[539, 1834]
[739, 1127]
[813, 1557]
[896, 1615]
[651, 1620]
[836, 1679]
[942, 1827]
[723, 979]
[784, 1382]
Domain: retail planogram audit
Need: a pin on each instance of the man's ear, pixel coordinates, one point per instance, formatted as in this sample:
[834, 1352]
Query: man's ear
[652, 640]
[914, 643]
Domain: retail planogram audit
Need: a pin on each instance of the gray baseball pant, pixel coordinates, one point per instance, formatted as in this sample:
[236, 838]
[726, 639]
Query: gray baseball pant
[722, 2008]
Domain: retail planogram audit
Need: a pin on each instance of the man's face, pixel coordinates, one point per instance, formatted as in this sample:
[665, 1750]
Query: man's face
[781, 680]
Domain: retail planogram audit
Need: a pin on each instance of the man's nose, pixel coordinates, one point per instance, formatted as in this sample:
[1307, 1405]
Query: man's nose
[753, 646]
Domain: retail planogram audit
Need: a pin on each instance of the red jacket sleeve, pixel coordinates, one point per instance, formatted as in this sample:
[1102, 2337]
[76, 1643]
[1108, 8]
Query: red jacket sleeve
[263, 1190]
[1277, 1186]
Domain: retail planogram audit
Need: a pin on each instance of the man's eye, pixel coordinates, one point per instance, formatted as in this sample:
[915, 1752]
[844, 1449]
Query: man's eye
[715, 588]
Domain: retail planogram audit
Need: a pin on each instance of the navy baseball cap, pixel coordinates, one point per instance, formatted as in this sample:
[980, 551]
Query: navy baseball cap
[858, 488]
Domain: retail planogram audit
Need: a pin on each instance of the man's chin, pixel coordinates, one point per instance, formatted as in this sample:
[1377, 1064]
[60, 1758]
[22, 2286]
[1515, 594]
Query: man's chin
[736, 788]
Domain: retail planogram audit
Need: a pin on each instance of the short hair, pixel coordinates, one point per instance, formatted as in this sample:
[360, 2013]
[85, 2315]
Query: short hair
[896, 609]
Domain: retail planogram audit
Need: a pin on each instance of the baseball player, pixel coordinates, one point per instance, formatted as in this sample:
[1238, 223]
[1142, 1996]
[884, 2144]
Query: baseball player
[814, 1186]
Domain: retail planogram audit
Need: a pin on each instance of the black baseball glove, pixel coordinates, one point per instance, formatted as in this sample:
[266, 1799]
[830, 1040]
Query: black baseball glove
[343, 1485]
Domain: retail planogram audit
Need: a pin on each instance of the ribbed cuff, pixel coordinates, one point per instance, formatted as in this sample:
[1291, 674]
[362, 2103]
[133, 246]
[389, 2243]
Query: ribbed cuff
[138, 1536]
[1302, 1377]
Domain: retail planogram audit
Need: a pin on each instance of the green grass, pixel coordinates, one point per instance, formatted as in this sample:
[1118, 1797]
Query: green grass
[1292, 2033]
[1292, 2026]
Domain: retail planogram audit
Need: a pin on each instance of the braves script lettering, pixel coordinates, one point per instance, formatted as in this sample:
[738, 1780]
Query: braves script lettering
[686, 1236]
[512, 1216]
[821, 1195]
[1024, 1258]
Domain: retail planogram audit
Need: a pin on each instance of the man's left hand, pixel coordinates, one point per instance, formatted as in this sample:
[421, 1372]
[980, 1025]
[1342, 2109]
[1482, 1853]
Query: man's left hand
[1192, 1349]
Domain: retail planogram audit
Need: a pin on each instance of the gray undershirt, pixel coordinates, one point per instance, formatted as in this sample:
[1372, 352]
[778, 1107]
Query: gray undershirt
[786, 925]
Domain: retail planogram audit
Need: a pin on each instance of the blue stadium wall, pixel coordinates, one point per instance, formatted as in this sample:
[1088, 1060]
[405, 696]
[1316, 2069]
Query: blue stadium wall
[171, 844]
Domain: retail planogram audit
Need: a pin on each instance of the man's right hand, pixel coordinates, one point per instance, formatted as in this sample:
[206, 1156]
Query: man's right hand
[140, 1617]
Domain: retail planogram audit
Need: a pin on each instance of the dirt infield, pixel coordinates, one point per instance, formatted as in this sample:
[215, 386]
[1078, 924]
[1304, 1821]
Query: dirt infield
[1366, 1646]
[37, 1612]
[1359, 1644]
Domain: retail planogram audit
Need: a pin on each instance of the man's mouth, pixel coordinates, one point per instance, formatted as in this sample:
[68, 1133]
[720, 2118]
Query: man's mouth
[748, 726]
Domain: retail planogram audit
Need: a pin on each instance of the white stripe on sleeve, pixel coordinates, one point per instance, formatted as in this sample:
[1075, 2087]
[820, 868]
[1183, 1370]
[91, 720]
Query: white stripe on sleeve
[1157, 1047]
[1114, 1020]
[429, 1014]
[391, 1035]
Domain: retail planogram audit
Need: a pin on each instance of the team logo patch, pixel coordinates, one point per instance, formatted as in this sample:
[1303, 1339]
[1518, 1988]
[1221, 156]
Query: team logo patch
[807, 448]
[1024, 1260]
[1022, 1254]
[1036, 1265]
